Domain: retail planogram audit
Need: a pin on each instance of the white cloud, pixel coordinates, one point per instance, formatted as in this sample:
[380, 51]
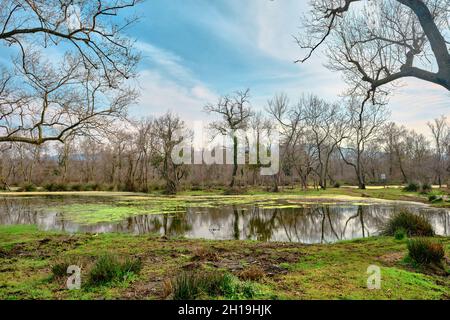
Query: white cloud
[265, 28]
[418, 102]
[159, 95]
[165, 60]
[167, 84]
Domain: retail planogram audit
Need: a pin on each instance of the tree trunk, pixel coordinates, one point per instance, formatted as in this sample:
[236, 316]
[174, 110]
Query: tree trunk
[235, 164]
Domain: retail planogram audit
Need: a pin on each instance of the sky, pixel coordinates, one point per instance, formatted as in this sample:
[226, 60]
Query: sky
[196, 50]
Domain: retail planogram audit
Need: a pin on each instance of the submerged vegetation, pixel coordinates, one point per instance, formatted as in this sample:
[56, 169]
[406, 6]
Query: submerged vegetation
[122, 207]
[106, 207]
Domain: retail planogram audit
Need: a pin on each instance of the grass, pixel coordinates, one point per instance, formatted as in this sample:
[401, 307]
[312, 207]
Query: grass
[257, 269]
[207, 285]
[109, 268]
[409, 223]
[425, 251]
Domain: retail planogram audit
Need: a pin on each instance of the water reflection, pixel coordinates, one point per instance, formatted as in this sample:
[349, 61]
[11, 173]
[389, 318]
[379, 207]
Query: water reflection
[315, 224]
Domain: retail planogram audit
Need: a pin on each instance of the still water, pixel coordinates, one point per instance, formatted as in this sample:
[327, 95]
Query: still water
[312, 224]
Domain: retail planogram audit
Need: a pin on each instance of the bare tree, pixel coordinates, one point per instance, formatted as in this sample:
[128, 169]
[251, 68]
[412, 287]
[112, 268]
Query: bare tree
[419, 154]
[365, 122]
[289, 120]
[376, 46]
[395, 139]
[168, 131]
[327, 127]
[235, 113]
[80, 89]
[261, 126]
[440, 130]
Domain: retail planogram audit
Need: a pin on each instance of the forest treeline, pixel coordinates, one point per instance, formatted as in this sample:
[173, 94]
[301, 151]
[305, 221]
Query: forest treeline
[73, 69]
[321, 145]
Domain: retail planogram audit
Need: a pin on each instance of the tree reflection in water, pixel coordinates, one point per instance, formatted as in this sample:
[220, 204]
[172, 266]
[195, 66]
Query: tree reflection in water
[309, 224]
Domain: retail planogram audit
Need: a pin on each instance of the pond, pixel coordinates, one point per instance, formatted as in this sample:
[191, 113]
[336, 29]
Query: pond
[305, 223]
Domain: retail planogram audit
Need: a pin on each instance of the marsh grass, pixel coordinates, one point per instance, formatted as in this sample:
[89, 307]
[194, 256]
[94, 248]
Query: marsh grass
[253, 273]
[59, 269]
[400, 234]
[199, 285]
[412, 224]
[425, 251]
[109, 268]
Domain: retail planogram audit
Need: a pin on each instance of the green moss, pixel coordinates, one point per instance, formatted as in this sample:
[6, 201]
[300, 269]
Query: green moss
[118, 208]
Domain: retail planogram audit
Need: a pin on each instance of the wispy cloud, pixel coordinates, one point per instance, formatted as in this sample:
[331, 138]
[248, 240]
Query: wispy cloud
[167, 84]
[224, 45]
[165, 61]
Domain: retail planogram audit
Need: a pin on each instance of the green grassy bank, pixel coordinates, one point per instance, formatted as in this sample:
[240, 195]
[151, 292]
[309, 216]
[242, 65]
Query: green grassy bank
[272, 270]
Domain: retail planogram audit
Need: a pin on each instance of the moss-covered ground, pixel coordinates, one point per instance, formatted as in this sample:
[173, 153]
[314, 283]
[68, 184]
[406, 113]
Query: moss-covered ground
[283, 270]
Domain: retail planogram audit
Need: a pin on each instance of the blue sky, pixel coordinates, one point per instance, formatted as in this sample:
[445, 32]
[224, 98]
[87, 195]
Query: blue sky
[195, 50]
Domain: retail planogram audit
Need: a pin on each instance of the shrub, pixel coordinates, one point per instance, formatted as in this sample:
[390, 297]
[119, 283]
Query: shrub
[234, 191]
[93, 187]
[76, 187]
[432, 197]
[196, 187]
[426, 187]
[425, 251]
[56, 187]
[414, 225]
[88, 187]
[28, 187]
[412, 187]
[400, 234]
[337, 184]
[109, 268]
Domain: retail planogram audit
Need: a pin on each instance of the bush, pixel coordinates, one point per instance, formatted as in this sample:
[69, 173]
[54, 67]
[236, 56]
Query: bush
[196, 187]
[88, 187]
[414, 225]
[56, 187]
[412, 187]
[234, 191]
[109, 268]
[432, 197]
[400, 234]
[337, 185]
[191, 286]
[93, 187]
[426, 188]
[76, 187]
[28, 187]
[425, 251]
